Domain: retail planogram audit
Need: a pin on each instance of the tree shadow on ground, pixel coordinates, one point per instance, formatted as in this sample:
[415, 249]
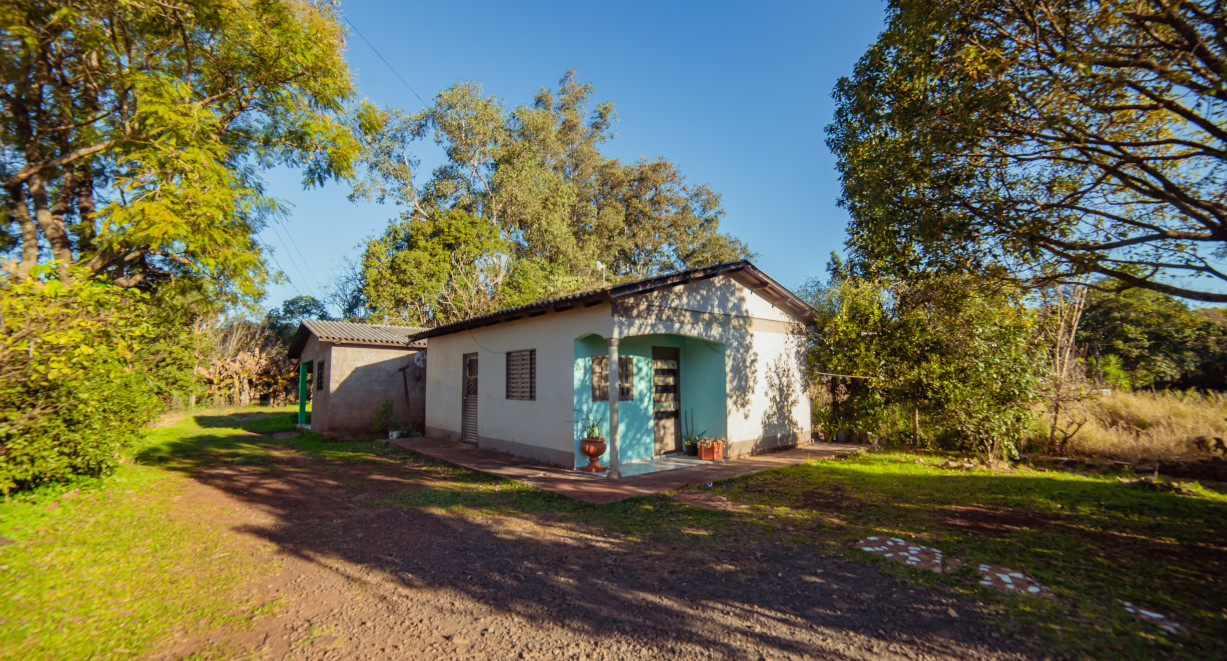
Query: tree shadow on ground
[643, 576]
[1097, 543]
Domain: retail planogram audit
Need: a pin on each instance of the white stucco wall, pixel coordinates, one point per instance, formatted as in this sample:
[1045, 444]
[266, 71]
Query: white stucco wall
[542, 429]
[767, 403]
[763, 344]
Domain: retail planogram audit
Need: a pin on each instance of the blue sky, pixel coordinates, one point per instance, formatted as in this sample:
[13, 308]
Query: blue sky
[736, 94]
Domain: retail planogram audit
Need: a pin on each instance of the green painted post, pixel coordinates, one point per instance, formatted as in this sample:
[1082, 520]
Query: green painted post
[303, 385]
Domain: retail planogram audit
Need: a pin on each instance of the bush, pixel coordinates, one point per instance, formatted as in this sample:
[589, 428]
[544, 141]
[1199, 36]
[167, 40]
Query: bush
[81, 367]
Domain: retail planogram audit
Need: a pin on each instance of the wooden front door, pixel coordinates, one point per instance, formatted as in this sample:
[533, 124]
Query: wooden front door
[666, 399]
[468, 414]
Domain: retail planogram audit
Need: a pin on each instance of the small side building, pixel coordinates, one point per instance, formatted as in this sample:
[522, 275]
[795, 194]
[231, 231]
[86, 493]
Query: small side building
[714, 351]
[348, 370]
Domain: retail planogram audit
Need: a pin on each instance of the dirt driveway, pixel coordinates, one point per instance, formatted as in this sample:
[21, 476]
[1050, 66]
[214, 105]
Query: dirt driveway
[398, 557]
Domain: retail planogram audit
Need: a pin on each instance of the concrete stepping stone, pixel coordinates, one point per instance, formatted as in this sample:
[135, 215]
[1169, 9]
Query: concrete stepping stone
[994, 576]
[1006, 579]
[913, 555]
[1158, 619]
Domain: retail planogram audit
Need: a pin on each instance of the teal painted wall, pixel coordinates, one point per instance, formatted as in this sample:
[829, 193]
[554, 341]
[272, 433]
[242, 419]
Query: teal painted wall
[702, 377]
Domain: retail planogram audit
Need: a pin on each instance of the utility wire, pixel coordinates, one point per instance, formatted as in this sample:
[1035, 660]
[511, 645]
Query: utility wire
[294, 263]
[307, 265]
[385, 61]
[282, 270]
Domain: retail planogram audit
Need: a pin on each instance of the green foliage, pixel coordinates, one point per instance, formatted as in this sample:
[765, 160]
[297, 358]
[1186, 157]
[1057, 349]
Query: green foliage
[384, 419]
[1046, 139]
[526, 206]
[133, 133]
[82, 366]
[960, 353]
[1157, 339]
[284, 321]
[445, 267]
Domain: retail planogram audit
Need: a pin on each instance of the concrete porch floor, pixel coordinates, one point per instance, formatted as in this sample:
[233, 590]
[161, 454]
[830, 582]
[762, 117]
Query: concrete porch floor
[599, 490]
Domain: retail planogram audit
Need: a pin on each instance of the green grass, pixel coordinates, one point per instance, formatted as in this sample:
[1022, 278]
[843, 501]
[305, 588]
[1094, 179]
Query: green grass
[107, 568]
[1093, 540]
[118, 568]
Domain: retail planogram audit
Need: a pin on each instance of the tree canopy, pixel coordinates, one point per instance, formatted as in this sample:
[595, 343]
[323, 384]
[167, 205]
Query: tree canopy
[957, 356]
[526, 205]
[1159, 340]
[1044, 138]
[133, 133]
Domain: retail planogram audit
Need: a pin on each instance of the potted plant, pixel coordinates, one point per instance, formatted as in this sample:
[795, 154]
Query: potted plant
[690, 440]
[592, 441]
[711, 449]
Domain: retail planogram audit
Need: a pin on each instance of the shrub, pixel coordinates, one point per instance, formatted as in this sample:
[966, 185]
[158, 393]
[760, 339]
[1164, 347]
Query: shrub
[81, 367]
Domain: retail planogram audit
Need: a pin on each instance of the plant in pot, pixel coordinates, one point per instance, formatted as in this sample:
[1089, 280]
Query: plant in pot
[592, 441]
[711, 449]
[690, 440]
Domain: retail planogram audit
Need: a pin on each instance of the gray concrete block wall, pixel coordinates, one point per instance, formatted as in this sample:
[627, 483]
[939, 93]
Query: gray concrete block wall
[360, 379]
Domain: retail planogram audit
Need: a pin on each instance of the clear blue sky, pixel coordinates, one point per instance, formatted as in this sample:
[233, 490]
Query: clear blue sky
[736, 94]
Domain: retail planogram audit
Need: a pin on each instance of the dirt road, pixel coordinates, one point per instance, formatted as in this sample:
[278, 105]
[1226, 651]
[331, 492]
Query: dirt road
[395, 558]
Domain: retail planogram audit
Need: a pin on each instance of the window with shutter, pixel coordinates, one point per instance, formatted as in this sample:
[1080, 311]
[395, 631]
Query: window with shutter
[600, 379]
[522, 374]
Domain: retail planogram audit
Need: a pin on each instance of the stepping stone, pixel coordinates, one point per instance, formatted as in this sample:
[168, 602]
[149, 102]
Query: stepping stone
[1158, 619]
[1008, 580]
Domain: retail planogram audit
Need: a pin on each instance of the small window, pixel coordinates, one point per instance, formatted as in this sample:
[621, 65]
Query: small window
[319, 377]
[522, 374]
[600, 379]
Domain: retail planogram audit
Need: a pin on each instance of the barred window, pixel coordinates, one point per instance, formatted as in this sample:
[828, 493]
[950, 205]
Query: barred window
[319, 376]
[600, 378]
[522, 374]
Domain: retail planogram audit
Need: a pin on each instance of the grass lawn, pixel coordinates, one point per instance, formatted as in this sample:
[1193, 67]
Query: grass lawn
[107, 567]
[119, 566]
[1094, 541]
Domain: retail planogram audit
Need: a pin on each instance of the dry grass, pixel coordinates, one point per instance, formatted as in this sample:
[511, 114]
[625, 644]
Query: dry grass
[1146, 425]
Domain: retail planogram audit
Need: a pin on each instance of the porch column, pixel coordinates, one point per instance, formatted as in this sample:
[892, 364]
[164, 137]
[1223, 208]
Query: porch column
[614, 462]
[303, 386]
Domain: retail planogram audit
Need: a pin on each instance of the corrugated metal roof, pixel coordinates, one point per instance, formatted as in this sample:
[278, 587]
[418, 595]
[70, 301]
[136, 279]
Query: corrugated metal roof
[349, 332]
[741, 270]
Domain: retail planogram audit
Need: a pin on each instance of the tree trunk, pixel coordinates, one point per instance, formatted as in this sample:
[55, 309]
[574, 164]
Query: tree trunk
[916, 425]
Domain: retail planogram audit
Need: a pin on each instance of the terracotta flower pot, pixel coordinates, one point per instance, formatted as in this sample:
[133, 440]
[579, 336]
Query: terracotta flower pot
[711, 451]
[593, 448]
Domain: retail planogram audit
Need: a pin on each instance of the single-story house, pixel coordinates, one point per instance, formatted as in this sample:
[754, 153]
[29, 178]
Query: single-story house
[349, 370]
[714, 351]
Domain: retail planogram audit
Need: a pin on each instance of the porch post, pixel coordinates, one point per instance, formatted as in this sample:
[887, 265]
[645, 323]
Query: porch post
[302, 391]
[614, 462]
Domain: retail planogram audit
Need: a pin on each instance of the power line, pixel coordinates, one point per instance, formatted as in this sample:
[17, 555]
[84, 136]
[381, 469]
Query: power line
[385, 61]
[273, 257]
[306, 264]
[305, 279]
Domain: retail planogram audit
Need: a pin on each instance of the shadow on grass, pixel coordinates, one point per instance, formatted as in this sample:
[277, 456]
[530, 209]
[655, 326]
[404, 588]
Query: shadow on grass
[1094, 541]
[649, 573]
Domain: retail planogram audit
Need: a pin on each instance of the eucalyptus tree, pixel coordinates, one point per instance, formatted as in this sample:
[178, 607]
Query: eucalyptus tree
[133, 133]
[536, 173]
[1045, 139]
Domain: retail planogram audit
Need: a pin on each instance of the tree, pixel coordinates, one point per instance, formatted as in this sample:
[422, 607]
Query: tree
[449, 266]
[283, 322]
[133, 133]
[535, 176]
[1159, 340]
[1046, 138]
[945, 349]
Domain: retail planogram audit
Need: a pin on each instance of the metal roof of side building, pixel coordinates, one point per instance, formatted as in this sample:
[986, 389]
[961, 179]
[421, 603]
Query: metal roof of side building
[348, 332]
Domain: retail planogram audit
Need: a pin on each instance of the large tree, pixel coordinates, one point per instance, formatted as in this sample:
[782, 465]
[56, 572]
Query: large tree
[536, 175]
[133, 133]
[1048, 138]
